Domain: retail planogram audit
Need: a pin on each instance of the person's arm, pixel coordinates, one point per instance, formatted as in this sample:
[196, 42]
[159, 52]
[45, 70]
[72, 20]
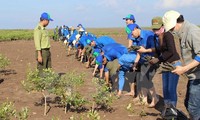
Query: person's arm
[171, 48]
[82, 54]
[95, 68]
[144, 50]
[136, 62]
[194, 41]
[39, 58]
[101, 71]
[182, 69]
[130, 42]
[37, 40]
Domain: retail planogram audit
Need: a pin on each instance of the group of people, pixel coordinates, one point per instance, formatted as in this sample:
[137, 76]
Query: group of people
[147, 51]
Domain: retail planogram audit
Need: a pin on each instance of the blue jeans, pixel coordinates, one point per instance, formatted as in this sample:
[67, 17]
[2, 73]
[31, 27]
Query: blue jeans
[192, 100]
[170, 82]
[122, 71]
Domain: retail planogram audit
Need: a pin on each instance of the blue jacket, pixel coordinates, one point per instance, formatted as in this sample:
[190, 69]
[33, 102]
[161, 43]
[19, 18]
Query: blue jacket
[146, 40]
[73, 36]
[102, 41]
[114, 51]
[127, 60]
[65, 32]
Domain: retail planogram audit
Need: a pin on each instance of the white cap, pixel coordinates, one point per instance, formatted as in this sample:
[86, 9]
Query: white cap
[78, 36]
[170, 19]
[81, 30]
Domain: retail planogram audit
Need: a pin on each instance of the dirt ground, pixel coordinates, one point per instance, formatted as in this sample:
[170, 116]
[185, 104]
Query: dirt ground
[22, 55]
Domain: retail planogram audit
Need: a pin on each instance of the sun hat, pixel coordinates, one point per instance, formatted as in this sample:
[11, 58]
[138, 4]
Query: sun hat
[170, 19]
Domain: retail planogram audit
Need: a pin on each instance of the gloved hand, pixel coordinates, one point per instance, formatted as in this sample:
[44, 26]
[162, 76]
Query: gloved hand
[154, 61]
[133, 48]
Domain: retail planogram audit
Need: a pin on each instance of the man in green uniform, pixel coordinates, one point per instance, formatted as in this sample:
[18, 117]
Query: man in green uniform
[42, 43]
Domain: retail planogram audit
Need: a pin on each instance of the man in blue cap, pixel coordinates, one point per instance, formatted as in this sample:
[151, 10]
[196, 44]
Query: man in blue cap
[145, 39]
[108, 58]
[42, 43]
[98, 43]
[130, 19]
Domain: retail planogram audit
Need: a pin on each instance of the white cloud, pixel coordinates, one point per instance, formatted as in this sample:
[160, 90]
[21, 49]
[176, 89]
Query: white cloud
[177, 3]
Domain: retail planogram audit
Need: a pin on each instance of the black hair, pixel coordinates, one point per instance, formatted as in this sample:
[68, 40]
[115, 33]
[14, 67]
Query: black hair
[180, 19]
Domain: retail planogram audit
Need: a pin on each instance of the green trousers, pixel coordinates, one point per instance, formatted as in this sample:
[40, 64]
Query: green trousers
[112, 67]
[46, 60]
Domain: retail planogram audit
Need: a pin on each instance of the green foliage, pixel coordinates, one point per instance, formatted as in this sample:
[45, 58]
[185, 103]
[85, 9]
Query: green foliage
[75, 100]
[18, 34]
[65, 86]
[55, 118]
[34, 82]
[4, 61]
[66, 89]
[103, 97]
[130, 108]
[23, 114]
[7, 111]
[93, 115]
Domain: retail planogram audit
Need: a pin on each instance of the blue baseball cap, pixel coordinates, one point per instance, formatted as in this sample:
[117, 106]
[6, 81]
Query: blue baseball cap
[129, 28]
[46, 16]
[89, 39]
[129, 16]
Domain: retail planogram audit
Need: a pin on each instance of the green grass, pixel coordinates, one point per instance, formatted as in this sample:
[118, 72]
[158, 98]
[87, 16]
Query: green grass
[17, 34]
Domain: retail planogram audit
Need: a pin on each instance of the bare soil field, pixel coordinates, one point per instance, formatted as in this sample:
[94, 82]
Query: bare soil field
[22, 56]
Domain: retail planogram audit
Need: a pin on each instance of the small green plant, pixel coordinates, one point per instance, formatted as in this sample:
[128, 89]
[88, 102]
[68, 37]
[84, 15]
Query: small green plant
[34, 82]
[7, 111]
[23, 114]
[93, 115]
[103, 98]
[66, 89]
[76, 117]
[4, 61]
[76, 100]
[130, 108]
[55, 118]
[143, 113]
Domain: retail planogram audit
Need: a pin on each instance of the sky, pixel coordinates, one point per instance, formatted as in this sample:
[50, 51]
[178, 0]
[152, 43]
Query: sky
[25, 14]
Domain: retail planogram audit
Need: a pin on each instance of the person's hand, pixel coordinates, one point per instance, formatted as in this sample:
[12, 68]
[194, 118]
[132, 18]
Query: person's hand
[39, 59]
[179, 70]
[154, 61]
[142, 49]
[134, 68]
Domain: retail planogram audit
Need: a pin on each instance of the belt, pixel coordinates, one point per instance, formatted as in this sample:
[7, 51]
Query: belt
[45, 49]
